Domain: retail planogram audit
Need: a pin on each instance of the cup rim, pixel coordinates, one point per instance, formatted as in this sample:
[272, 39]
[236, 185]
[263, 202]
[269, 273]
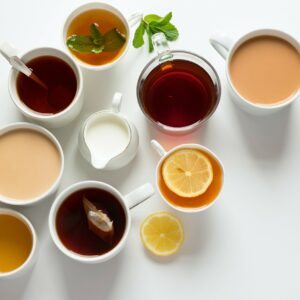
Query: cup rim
[37, 115]
[247, 36]
[190, 146]
[117, 115]
[92, 259]
[25, 220]
[190, 127]
[25, 125]
[83, 8]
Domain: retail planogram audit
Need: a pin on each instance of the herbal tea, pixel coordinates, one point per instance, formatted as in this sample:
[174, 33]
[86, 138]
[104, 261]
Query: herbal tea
[60, 80]
[73, 226]
[190, 178]
[96, 37]
[15, 242]
[178, 93]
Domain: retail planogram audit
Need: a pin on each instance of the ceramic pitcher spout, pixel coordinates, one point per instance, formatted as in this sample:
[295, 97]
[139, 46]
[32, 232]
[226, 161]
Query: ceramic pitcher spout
[99, 164]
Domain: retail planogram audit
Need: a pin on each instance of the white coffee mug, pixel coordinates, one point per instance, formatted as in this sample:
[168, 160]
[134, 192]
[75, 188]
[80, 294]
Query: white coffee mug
[225, 46]
[128, 201]
[127, 21]
[32, 257]
[164, 154]
[55, 185]
[48, 120]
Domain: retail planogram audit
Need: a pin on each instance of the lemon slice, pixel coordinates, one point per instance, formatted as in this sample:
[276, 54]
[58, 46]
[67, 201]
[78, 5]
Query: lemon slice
[162, 234]
[187, 173]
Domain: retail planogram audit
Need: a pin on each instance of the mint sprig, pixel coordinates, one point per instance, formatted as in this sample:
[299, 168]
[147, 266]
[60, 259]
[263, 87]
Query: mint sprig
[97, 42]
[152, 24]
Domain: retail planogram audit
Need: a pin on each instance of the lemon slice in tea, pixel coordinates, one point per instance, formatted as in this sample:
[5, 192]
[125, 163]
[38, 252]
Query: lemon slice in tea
[187, 173]
[162, 234]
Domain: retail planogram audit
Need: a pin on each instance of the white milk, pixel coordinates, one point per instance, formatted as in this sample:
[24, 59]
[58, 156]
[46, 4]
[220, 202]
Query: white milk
[107, 136]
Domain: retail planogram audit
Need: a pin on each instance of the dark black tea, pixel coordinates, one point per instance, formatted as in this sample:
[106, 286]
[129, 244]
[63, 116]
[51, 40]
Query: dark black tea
[178, 93]
[72, 222]
[60, 80]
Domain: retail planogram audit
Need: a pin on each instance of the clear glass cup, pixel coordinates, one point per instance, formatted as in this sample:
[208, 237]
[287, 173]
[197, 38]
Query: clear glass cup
[165, 55]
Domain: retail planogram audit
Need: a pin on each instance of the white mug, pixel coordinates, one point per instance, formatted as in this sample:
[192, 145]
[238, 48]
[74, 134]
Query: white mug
[225, 46]
[32, 257]
[48, 120]
[128, 201]
[164, 154]
[127, 21]
[52, 138]
[122, 158]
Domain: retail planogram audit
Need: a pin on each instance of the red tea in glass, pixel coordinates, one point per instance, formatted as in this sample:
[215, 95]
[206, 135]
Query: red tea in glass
[178, 93]
[177, 90]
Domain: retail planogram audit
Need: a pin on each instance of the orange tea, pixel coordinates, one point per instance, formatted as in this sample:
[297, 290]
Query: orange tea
[105, 21]
[208, 194]
[15, 242]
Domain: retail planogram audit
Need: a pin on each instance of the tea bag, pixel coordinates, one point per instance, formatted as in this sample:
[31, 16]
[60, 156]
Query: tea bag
[98, 221]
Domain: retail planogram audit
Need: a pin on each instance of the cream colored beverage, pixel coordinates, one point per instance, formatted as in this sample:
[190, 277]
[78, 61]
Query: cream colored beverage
[30, 163]
[266, 70]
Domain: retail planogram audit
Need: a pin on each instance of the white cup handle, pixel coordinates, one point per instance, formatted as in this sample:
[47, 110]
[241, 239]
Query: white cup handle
[134, 18]
[158, 148]
[221, 43]
[139, 195]
[116, 102]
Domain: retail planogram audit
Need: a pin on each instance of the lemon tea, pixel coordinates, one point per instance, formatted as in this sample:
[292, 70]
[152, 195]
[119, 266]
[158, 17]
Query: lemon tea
[202, 200]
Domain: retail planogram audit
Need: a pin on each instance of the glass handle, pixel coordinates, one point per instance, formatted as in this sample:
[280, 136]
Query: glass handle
[161, 46]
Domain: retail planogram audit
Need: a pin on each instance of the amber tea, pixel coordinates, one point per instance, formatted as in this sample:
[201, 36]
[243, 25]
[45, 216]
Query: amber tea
[189, 162]
[15, 242]
[96, 37]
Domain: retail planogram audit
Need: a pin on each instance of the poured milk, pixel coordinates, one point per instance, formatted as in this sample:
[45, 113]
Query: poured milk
[106, 138]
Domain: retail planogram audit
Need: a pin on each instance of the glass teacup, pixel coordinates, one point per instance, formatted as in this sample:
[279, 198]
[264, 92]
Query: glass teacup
[177, 90]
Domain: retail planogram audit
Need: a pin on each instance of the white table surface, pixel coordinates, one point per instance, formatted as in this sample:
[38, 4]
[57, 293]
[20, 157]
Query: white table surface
[247, 246]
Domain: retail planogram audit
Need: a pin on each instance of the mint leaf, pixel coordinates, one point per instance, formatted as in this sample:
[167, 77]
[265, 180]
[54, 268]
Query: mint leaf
[152, 24]
[149, 33]
[83, 43]
[162, 21]
[138, 40]
[96, 34]
[150, 18]
[113, 40]
[169, 30]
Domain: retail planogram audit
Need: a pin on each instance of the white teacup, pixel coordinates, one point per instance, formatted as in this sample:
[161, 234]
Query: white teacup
[32, 257]
[48, 120]
[128, 201]
[55, 185]
[164, 154]
[225, 46]
[127, 21]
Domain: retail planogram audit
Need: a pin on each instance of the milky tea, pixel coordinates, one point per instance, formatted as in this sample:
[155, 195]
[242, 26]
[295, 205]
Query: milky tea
[265, 70]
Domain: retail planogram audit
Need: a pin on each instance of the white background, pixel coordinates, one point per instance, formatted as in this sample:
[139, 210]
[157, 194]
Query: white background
[247, 246]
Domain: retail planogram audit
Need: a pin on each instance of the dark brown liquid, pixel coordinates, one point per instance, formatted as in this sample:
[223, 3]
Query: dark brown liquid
[60, 80]
[72, 224]
[178, 93]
